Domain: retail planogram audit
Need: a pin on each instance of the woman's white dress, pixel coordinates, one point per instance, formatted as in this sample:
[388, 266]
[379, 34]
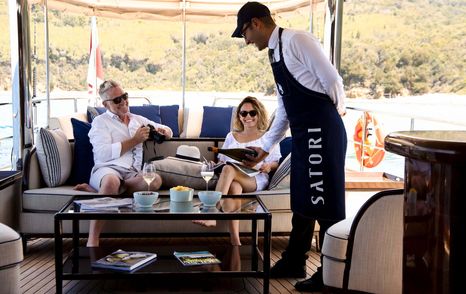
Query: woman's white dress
[262, 179]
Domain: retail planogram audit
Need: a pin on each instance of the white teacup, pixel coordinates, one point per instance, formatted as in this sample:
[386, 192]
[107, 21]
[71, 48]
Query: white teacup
[209, 198]
[145, 198]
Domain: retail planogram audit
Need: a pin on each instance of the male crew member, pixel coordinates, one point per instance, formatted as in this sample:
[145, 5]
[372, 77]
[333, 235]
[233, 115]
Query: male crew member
[310, 101]
[116, 137]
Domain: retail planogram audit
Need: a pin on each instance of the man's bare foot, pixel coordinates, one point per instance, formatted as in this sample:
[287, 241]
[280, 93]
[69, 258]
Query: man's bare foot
[205, 223]
[84, 187]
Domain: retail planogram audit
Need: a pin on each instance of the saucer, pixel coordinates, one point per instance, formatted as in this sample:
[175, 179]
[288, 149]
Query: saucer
[206, 208]
[137, 205]
[143, 208]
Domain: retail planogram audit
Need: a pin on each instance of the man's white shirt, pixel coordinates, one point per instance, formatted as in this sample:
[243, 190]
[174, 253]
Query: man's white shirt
[106, 135]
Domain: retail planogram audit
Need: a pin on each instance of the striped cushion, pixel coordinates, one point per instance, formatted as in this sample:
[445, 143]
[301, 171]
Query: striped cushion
[281, 177]
[54, 154]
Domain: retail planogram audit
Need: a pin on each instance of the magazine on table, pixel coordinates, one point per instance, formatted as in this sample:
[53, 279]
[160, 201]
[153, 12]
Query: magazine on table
[249, 171]
[125, 260]
[196, 258]
[104, 203]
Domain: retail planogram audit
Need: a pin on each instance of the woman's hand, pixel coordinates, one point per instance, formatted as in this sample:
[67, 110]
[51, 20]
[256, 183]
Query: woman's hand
[266, 168]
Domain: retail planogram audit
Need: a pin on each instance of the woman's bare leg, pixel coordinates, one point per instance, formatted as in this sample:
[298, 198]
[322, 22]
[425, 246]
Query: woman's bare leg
[231, 182]
[233, 204]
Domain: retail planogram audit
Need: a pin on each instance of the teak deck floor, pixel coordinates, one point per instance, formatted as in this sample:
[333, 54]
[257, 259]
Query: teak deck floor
[38, 271]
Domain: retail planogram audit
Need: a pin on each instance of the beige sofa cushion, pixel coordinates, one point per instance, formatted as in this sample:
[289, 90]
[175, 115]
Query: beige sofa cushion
[192, 122]
[64, 123]
[180, 172]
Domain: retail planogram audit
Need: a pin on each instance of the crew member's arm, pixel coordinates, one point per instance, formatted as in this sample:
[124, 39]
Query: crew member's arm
[276, 132]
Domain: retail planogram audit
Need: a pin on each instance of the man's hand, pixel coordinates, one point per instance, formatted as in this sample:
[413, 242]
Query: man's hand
[253, 160]
[141, 135]
[164, 132]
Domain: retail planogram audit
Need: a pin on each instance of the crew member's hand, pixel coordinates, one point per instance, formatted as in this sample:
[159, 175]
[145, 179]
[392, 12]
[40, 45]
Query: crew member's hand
[253, 160]
[142, 134]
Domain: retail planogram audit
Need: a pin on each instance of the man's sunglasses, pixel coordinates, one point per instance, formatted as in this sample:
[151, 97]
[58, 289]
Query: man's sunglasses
[251, 113]
[243, 31]
[117, 100]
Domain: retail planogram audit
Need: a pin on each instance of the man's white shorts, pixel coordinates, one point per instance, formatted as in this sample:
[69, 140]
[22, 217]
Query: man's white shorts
[121, 172]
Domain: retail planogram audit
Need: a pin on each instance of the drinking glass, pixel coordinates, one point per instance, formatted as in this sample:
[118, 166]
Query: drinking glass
[148, 173]
[207, 172]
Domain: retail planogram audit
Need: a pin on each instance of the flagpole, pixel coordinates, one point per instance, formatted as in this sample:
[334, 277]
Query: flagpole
[94, 89]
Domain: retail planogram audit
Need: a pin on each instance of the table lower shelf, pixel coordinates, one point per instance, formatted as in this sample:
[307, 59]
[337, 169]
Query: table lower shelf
[237, 261]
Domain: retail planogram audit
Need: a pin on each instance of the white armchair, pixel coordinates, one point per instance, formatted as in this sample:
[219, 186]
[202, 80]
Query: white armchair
[364, 253]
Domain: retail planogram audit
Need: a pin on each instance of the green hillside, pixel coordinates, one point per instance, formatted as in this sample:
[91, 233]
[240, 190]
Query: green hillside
[389, 48]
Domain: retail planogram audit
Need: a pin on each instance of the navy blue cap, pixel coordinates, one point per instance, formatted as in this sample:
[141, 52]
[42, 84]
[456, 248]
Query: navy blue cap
[249, 11]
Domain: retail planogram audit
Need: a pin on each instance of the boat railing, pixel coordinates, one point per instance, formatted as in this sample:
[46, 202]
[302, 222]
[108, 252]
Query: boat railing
[391, 120]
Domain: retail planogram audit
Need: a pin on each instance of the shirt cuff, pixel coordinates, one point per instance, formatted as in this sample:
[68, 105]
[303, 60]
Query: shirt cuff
[116, 150]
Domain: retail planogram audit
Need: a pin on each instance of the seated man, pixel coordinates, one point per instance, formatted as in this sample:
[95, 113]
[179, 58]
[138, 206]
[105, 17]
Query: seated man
[116, 137]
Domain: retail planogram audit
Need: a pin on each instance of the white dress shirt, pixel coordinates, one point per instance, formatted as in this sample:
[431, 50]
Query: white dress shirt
[107, 133]
[306, 61]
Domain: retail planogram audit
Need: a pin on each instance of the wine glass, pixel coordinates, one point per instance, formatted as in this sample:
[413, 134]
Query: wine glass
[148, 173]
[207, 172]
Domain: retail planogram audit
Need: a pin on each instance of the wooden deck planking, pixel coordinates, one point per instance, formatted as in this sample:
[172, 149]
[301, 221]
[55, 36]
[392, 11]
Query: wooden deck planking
[38, 270]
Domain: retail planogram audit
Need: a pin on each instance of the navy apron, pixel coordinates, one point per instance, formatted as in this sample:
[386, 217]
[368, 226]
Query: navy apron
[318, 147]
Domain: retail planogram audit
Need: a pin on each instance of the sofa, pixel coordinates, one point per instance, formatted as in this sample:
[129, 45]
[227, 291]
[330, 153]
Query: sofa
[45, 192]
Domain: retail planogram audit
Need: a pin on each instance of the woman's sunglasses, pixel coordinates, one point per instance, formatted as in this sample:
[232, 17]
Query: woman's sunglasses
[251, 113]
[117, 100]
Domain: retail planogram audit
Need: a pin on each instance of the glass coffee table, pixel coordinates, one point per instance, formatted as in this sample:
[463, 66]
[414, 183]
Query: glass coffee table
[254, 261]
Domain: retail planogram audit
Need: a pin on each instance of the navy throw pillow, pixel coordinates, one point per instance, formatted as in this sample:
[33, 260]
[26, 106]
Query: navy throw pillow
[151, 112]
[83, 159]
[93, 112]
[169, 116]
[216, 122]
[285, 148]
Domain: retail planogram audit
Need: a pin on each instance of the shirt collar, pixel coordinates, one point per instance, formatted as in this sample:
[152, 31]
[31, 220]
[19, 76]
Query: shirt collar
[273, 40]
[114, 116]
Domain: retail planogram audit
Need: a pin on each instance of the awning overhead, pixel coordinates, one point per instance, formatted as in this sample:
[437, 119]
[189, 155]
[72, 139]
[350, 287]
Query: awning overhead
[196, 10]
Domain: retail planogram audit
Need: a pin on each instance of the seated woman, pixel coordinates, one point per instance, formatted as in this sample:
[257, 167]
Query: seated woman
[250, 123]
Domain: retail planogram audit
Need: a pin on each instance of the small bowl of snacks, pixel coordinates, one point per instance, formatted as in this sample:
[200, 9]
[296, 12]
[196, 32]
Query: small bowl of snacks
[181, 194]
[145, 198]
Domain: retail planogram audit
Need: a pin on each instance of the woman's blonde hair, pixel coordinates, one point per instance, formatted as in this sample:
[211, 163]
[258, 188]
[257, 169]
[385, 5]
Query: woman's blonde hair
[262, 120]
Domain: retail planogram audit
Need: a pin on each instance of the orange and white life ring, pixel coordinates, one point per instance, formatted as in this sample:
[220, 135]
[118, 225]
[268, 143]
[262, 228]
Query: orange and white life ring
[374, 151]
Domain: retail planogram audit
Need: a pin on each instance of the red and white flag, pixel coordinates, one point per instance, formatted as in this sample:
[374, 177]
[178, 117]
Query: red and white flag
[95, 73]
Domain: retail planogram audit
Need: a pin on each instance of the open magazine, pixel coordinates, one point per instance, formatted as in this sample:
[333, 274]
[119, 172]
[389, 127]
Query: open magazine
[125, 260]
[249, 171]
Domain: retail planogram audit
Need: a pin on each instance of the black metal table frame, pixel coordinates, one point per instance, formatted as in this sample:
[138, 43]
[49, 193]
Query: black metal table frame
[63, 215]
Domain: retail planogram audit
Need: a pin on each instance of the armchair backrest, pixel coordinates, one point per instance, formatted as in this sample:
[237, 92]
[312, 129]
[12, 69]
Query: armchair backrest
[375, 244]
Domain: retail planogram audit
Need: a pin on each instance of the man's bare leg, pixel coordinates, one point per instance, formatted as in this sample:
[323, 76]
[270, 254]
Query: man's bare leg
[110, 185]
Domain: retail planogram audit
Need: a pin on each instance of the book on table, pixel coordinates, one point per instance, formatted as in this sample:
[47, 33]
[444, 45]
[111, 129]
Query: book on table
[104, 203]
[196, 258]
[249, 171]
[125, 260]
